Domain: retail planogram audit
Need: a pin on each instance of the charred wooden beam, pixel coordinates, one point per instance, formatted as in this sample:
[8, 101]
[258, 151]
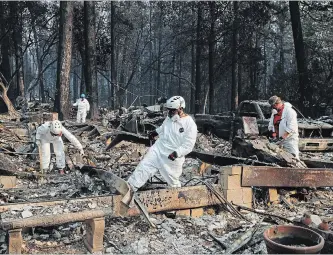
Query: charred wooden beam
[130, 137]
[316, 163]
[286, 177]
[225, 160]
[154, 200]
[52, 220]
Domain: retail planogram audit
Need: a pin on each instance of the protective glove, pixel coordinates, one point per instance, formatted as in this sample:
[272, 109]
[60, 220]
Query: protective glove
[81, 152]
[152, 135]
[279, 141]
[38, 142]
[173, 156]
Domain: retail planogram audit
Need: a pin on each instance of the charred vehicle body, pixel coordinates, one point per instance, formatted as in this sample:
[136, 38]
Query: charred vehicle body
[314, 135]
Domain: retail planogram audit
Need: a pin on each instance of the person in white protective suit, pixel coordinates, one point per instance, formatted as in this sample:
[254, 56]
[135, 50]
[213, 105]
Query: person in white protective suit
[51, 132]
[285, 120]
[83, 107]
[176, 138]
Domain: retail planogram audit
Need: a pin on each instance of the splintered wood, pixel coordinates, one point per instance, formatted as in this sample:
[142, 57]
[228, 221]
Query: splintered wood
[261, 149]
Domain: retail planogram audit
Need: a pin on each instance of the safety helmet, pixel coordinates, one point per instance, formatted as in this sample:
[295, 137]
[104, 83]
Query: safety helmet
[83, 95]
[56, 127]
[175, 102]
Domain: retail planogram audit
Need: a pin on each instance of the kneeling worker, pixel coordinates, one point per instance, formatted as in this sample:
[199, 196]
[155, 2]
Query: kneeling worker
[177, 136]
[285, 125]
[51, 132]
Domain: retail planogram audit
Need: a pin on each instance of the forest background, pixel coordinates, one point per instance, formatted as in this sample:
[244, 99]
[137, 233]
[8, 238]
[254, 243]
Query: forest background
[122, 53]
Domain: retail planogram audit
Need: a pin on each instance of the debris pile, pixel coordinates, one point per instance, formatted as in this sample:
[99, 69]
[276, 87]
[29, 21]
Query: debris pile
[217, 231]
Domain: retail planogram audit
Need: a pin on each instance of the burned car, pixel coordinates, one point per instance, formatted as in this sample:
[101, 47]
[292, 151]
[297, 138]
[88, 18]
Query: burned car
[314, 135]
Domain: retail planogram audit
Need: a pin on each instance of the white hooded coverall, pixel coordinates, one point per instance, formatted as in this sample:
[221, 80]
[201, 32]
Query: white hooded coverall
[288, 124]
[83, 107]
[179, 136]
[44, 135]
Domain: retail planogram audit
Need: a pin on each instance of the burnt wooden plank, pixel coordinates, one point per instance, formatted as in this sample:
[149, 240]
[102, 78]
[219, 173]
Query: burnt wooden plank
[286, 177]
[224, 160]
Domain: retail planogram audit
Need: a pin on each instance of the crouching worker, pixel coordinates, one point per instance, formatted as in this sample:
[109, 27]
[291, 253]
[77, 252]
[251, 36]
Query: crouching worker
[51, 132]
[284, 123]
[177, 137]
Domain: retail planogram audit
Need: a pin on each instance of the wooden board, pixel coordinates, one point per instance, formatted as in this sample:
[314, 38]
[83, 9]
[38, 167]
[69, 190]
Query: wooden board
[261, 176]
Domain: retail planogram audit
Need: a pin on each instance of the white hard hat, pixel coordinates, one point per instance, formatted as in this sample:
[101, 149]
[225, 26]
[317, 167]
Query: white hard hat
[175, 102]
[56, 127]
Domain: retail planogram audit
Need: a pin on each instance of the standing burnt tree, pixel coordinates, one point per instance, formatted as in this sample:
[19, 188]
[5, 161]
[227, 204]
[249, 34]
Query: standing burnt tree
[90, 56]
[62, 98]
[300, 54]
[234, 67]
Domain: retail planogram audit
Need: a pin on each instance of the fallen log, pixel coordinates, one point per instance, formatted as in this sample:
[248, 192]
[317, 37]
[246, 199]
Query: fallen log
[265, 152]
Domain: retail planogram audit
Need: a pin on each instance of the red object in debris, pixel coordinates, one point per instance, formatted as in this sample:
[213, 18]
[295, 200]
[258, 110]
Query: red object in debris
[61, 171]
[324, 225]
[306, 220]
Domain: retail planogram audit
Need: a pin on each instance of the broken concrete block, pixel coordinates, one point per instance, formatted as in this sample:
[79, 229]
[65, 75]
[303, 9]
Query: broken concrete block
[7, 182]
[233, 195]
[273, 195]
[95, 234]
[230, 181]
[197, 212]
[231, 170]
[15, 241]
[247, 195]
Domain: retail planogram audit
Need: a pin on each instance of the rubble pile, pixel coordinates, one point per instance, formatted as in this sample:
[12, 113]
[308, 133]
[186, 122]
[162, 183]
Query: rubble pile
[212, 144]
[217, 231]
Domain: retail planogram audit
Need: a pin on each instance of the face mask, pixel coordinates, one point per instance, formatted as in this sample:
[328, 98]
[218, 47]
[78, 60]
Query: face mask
[171, 113]
[175, 117]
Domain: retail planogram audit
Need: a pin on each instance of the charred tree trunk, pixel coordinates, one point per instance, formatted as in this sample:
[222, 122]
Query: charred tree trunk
[82, 83]
[90, 53]
[180, 73]
[300, 54]
[11, 110]
[198, 61]
[62, 99]
[113, 56]
[159, 46]
[39, 65]
[4, 45]
[121, 87]
[211, 57]
[151, 83]
[192, 103]
[16, 14]
[234, 67]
